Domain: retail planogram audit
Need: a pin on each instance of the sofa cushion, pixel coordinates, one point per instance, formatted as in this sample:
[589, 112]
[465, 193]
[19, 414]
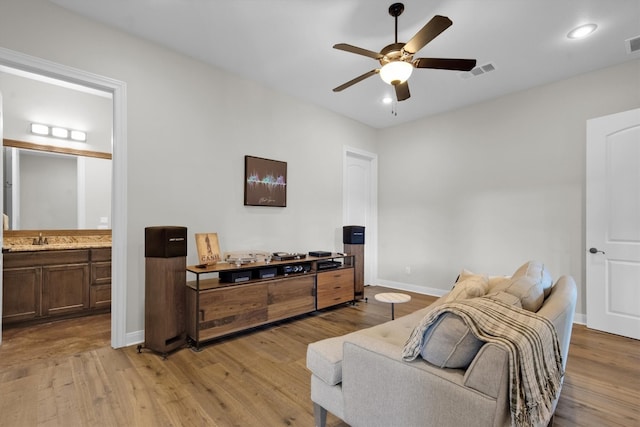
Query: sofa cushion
[324, 359]
[529, 283]
[449, 343]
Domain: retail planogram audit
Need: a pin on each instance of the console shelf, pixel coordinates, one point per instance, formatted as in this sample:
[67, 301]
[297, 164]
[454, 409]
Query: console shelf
[241, 299]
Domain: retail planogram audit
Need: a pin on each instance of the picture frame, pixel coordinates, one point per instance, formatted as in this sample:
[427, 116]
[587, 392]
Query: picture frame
[208, 248]
[265, 182]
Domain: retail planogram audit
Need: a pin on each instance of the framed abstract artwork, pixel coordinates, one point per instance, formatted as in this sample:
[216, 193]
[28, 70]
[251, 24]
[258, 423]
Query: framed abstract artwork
[265, 182]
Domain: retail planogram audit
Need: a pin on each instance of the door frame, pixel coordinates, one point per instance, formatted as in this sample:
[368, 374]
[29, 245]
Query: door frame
[371, 231]
[118, 90]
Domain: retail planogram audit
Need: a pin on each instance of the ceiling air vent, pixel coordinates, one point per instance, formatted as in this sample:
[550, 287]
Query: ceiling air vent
[478, 71]
[632, 44]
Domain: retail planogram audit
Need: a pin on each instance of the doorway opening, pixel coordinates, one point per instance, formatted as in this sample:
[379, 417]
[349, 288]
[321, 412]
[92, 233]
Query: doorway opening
[47, 71]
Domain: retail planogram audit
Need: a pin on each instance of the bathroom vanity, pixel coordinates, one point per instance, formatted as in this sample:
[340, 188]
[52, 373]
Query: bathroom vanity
[68, 276]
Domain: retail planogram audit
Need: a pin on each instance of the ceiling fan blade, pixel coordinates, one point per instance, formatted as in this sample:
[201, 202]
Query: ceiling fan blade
[445, 63]
[402, 91]
[356, 80]
[429, 32]
[357, 50]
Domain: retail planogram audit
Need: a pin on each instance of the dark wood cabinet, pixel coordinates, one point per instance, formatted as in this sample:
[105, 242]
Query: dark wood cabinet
[43, 285]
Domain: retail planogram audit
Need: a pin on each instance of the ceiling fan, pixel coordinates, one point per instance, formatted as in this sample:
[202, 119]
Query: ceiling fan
[397, 60]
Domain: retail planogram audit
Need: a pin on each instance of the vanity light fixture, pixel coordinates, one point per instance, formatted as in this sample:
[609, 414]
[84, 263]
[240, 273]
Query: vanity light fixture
[39, 129]
[78, 135]
[582, 31]
[58, 132]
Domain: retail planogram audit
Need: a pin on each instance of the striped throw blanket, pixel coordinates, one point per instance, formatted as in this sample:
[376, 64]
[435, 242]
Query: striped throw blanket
[535, 362]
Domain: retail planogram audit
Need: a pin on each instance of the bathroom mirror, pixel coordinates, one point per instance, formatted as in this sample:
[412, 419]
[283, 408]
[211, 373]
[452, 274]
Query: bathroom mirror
[53, 188]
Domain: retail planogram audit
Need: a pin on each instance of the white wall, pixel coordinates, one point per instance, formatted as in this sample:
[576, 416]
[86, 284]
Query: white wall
[493, 185]
[189, 127]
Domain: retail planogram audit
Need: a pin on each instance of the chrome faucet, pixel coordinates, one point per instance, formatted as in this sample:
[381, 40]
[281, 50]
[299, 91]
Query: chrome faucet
[40, 241]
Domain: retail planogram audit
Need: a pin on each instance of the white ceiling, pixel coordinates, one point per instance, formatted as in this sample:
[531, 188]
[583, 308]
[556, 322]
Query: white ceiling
[287, 44]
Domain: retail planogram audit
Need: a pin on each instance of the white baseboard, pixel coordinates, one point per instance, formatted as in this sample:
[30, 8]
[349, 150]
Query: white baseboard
[133, 338]
[411, 288]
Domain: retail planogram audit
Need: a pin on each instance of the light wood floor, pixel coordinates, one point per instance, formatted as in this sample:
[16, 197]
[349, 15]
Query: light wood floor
[66, 374]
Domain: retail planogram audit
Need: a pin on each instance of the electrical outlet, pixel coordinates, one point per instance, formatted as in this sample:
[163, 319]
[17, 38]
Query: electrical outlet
[407, 270]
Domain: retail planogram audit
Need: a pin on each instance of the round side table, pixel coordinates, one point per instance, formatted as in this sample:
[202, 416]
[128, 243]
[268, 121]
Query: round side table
[392, 298]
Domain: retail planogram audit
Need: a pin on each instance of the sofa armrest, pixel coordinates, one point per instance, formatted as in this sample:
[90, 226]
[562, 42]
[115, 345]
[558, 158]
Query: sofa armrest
[488, 373]
[380, 389]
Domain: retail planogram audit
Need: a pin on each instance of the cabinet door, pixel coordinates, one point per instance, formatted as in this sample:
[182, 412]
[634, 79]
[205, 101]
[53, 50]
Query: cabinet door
[65, 289]
[335, 287]
[21, 294]
[231, 309]
[291, 297]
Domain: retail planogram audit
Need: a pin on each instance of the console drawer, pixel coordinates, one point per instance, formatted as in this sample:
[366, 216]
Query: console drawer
[334, 287]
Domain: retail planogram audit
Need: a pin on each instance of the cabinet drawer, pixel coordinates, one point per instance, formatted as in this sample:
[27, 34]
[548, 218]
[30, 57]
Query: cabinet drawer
[101, 254]
[100, 273]
[334, 287]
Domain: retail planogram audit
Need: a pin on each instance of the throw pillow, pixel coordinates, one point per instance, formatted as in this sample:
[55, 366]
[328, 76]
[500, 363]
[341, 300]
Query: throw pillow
[527, 289]
[537, 270]
[493, 280]
[471, 286]
[449, 343]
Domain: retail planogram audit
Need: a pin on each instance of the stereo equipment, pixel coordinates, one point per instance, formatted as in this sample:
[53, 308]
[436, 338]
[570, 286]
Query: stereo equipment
[286, 256]
[235, 276]
[353, 234]
[295, 268]
[328, 265]
[266, 273]
[319, 253]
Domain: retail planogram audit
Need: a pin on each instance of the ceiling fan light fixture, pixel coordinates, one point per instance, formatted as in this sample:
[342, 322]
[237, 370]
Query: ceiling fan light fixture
[396, 72]
[582, 31]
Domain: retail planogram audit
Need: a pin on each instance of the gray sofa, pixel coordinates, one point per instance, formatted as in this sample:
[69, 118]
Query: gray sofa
[362, 378]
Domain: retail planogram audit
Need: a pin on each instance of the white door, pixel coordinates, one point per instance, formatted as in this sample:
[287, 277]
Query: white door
[360, 202]
[613, 224]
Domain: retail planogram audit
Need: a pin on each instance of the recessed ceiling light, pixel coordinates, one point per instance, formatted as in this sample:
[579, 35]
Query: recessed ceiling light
[582, 31]
[387, 100]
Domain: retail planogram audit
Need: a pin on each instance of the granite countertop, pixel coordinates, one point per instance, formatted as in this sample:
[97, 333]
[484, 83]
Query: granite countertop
[55, 243]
